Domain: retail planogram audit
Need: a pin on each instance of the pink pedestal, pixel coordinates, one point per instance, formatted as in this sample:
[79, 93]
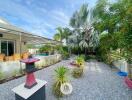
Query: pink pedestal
[30, 80]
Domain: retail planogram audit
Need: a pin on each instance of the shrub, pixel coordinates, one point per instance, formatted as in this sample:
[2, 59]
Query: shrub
[65, 55]
[60, 79]
[63, 50]
[77, 72]
[45, 48]
[80, 61]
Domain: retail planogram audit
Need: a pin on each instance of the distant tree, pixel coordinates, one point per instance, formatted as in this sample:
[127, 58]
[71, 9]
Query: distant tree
[62, 33]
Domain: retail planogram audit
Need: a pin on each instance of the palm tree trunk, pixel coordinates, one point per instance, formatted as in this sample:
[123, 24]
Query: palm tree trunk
[85, 51]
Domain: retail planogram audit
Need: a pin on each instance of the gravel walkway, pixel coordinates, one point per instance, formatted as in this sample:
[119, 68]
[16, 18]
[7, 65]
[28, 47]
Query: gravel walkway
[98, 83]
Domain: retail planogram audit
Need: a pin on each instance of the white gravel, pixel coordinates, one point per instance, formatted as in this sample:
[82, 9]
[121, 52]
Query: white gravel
[99, 82]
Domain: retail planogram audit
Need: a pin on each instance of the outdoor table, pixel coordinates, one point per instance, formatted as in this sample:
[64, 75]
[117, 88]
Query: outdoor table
[35, 93]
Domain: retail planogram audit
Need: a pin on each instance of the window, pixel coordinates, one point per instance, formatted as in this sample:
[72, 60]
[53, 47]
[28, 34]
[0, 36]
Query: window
[7, 47]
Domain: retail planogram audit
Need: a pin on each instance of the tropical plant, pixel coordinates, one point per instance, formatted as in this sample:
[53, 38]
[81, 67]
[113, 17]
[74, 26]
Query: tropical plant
[83, 34]
[63, 50]
[77, 21]
[45, 48]
[80, 61]
[57, 37]
[79, 18]
[72, 41]
[78, 71]
[62, 33]
[60, 79]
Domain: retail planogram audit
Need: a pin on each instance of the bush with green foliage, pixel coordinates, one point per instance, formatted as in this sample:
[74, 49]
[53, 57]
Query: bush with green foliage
[63, 50]
[119, 31]
[77, 72]
[80, 61]
[60, 79]
[45, 48]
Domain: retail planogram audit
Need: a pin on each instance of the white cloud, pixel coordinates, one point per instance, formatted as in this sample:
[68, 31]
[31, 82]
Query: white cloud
[37, 18]
[60, 18]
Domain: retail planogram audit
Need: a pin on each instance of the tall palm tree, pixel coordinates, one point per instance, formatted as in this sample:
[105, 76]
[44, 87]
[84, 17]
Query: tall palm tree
[78, 21]
[60, 32]
[66, 33]
[81, 22]
[79, 18]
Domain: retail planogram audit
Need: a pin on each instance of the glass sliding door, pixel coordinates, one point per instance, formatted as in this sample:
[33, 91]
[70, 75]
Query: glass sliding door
[10, 48]
[4, 47]
[7, 47]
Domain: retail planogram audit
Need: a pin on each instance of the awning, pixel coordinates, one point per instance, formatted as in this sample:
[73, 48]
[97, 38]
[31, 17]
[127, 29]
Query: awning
[27, 37]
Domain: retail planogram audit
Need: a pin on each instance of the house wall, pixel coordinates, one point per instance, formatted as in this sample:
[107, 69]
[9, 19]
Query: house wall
[16, 39]
[9, 69]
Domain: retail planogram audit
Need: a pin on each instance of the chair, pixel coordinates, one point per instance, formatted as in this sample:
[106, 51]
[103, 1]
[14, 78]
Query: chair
[25, 55]
[2, 56]
[9, 58]
[16, 56]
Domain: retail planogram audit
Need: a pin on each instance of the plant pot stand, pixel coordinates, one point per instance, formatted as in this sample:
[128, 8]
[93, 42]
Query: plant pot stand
[35, 93]
[128, 82]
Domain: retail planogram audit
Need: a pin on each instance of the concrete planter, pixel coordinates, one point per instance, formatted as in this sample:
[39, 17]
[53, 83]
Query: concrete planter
[121, 65]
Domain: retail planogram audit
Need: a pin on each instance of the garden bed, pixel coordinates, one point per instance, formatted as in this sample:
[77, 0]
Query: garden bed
[13, 69]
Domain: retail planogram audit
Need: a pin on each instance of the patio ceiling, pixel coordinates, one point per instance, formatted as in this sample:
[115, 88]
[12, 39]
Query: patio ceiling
[25, 36]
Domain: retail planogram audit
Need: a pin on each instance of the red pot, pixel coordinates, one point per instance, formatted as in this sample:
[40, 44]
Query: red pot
[128, 82]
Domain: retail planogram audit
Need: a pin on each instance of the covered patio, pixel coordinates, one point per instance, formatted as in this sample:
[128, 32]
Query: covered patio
[13, 47]
[14, 40]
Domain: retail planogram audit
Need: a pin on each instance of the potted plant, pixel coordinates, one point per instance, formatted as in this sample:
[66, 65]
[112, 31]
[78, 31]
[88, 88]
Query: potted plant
[78, 71]
[79, 61]
[60, 79]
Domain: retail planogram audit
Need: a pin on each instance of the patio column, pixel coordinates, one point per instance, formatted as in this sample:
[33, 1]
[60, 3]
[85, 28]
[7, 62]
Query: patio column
[20, 50]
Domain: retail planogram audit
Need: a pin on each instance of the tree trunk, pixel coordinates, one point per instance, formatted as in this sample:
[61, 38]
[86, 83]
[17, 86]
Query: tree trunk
[85, 51]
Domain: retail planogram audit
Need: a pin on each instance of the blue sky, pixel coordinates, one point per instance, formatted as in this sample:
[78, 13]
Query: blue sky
[40, 17]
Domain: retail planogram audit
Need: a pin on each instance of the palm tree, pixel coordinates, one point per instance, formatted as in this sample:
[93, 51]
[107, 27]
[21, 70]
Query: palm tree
[86, 38]
[77, 22]
[62, 33]
[57, 37]
[66, 33]
[79, 17]
[81, 22]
